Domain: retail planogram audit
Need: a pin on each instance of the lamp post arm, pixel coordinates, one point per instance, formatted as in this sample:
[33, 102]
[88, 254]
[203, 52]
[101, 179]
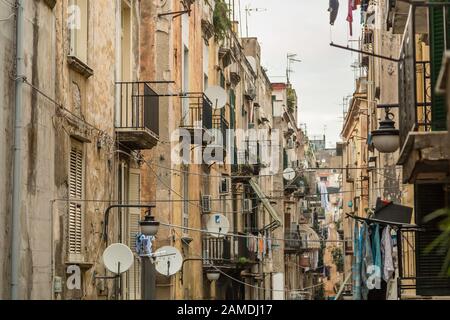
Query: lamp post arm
[114, 206]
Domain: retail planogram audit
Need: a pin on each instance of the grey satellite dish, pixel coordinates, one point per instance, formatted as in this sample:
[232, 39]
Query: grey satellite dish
[217, 95]
[218, 225]
[168, 260]
[118, 258]
[289, 174]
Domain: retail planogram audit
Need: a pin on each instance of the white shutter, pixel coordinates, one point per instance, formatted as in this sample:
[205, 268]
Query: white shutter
[76, 190]
[134, 215]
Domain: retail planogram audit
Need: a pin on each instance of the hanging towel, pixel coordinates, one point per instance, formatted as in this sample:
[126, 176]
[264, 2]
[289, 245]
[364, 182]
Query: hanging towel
[376, 252]
[367, 261]
[356, 275]
[324, 196]
[386, 252]
[333, 9]
[350, 16]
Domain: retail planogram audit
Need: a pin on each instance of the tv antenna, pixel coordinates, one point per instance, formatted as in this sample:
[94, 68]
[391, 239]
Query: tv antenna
[248, 9]
[291, 58]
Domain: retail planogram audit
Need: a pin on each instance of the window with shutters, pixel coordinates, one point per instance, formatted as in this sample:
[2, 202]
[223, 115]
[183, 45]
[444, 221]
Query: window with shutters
[76, 194]
[439, 42]
[134, 215]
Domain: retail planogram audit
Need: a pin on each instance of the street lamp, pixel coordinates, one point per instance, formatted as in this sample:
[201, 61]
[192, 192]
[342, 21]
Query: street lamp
[213, 276]
[149, 226]
[386, 139]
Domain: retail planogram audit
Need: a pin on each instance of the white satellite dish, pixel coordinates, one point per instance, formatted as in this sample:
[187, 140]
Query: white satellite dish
[217, 95]
[289, 174]
[218, 225]
[118, 258]
[168, 260]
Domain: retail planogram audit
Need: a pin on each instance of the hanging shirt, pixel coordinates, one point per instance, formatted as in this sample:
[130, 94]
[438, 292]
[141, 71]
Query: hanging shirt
[333, 9]
[386, 251]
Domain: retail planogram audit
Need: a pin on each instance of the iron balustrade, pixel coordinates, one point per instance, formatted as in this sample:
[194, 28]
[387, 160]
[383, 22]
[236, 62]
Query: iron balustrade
[226, 251]
[216, 250]
[408, 279]
[196, 111]
[220, 126]
[139, 107]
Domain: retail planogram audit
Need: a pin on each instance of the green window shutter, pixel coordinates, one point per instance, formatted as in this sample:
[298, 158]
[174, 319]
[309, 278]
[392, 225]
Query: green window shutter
[439, 27]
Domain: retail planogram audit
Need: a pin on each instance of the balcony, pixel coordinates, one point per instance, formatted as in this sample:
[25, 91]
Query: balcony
[137, 122]
[219, 130]
[196, 116]
[226, 252]
[293, 243]
[300, 239]
[424, 152]
[398, 13]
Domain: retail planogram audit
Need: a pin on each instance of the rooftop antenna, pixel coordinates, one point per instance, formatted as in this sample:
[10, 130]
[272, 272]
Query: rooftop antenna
[248, 9]
[291, 58]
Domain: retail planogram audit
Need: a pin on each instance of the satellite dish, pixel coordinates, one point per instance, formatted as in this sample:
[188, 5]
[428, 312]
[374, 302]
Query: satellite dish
[118, 258]
[218, 225]
[217, 95]
[168, 260]
[289, 174]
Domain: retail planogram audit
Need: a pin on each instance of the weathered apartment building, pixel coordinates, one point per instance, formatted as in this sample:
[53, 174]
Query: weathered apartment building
[401, 84]
[96, 97]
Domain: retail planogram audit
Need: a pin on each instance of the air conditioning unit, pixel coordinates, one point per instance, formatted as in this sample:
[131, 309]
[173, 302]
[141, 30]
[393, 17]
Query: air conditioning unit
[206, 204]
[247, 205]
[224, 186]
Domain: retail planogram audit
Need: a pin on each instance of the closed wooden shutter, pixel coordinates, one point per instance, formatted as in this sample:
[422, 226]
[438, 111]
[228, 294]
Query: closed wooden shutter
[439, 36]
[134, 215]
[76, 191]
[429, 198]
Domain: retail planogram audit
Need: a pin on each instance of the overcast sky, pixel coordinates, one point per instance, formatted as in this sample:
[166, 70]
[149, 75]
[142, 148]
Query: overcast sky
[325, 75]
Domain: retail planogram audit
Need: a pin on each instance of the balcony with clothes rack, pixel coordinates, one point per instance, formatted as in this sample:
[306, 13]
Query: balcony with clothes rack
[196, 116]
[137, 118]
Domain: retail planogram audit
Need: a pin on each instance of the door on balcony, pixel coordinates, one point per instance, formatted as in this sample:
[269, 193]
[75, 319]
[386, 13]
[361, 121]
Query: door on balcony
[186, 121]
[126, 116]
[429, 198]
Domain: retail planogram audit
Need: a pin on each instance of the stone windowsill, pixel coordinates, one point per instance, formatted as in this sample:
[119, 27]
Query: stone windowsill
[79, 66]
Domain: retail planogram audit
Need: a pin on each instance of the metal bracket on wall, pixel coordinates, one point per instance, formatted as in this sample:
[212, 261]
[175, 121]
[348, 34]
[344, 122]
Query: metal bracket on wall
[365, 52]
[174, 13]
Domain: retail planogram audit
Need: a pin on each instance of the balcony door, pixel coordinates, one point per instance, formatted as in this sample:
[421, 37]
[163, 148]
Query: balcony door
[429, 282]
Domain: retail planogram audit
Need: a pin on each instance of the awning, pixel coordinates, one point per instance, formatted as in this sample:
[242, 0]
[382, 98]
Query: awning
[266, 202]
[310, 237]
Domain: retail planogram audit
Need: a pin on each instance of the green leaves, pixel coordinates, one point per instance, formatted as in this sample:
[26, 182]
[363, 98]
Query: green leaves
[222, 24]
[442, 242]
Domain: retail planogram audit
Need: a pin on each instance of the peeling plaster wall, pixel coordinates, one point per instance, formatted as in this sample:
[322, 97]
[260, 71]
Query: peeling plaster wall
[7, 54]
[46, 144]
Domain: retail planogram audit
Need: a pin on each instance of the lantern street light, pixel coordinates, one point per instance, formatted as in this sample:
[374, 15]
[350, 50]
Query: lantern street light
[149, 226]
[386, 139]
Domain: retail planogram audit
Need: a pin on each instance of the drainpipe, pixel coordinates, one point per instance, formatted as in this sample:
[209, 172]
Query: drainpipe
[16, 197]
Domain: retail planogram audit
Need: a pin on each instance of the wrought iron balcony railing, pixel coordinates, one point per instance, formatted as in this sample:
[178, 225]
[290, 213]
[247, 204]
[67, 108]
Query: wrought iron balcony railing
[196, 111]
[137, 119]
